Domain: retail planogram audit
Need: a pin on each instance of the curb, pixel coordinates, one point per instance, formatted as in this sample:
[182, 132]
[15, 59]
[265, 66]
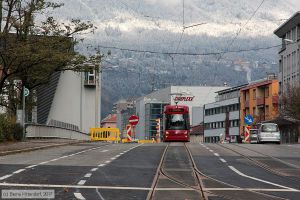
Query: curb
[4, 153]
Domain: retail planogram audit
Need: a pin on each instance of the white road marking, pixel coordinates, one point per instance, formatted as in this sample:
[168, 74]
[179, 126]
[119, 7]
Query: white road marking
[113, 158]
[211, 150]
[99, 194]
[108, 161]
[224, 161]
[88, 175]
[18, 171]
[136, 188]
[44, 162]
[251, 189]
[81, 182]
[101, 165]
[79, 196]
[94, 169]
[31, 166]
[5, 177]
[105, 150]
[260, 180]
[216, 154]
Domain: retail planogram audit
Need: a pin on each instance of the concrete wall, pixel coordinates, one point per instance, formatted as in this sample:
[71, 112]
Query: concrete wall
[140, 111]
[74, 103]
[43, 131]
[197, 115]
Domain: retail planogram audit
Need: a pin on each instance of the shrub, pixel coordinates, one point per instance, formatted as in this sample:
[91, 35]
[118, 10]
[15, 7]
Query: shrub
[3, 127]
[16, 130]
[9, 130]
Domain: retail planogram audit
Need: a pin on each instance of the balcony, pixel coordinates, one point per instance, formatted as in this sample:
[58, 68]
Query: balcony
[90, 79]
[89, 83]
[247, 104]
[275, 99]
[260, 101]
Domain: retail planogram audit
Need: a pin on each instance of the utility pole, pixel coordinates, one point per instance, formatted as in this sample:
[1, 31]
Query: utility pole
[25, 93]
[23, 112]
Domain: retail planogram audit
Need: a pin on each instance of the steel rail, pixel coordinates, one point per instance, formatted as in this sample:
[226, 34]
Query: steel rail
[261, 165]
[230, 185]
[274, 158]
[157, 174]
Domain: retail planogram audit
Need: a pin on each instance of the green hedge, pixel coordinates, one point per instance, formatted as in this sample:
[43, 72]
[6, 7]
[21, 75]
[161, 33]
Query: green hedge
[9, 130]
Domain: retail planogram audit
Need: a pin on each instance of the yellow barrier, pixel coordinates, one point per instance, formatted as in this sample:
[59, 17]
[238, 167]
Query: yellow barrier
[147, 141]
[105, 134]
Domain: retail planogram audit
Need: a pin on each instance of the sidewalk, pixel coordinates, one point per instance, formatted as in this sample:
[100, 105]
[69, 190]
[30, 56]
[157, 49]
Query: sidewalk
[33, 144]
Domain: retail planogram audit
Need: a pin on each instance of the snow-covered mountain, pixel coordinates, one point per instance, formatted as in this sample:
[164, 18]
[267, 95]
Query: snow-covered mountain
[157, 25]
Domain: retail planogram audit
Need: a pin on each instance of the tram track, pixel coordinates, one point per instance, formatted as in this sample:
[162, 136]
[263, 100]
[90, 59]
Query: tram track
[199, 176]
[228, 184]
[272, 157]
[162, 173]
[260, 164]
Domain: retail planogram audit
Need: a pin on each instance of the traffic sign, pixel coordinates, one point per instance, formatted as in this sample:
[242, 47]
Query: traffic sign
[26, 92]
[248, 120]
[129, 133]
[247, 134]
[133, 120]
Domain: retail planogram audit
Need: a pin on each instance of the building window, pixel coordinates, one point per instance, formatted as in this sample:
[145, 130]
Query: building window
[267, 92]
[89, 78]
[254, 111]
[254, 93]
[267, 110]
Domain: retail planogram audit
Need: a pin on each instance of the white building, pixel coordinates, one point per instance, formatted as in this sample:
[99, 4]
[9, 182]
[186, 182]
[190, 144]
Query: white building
[289, 56]
[150, 107]
[71, 100]
[222, 117]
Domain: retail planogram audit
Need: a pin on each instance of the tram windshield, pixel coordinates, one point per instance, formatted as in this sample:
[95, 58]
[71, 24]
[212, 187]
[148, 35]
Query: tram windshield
[177, 121]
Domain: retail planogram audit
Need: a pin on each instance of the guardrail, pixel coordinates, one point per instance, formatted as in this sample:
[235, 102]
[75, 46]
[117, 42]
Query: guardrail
[44, 131]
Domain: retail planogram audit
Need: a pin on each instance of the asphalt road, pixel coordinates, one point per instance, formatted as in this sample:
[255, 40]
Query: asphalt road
[127, 171]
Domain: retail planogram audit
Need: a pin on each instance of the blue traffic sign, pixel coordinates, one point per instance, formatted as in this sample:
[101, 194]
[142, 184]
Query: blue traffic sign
[248, 120]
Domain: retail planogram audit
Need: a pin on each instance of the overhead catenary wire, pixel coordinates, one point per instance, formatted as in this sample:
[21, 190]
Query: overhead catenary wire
[189, 54]
[230, 43]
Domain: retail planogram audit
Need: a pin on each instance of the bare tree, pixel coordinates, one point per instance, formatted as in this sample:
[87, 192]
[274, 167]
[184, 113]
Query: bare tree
[290, 103]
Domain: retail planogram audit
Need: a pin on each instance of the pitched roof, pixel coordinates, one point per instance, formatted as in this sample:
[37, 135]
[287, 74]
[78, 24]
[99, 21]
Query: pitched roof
[111, 118]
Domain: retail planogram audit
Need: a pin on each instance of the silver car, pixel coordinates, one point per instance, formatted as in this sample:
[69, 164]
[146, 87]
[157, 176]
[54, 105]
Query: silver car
[268, 132]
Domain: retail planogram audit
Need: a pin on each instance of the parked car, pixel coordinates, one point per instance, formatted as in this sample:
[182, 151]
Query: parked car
[253, 135]
[268, 132]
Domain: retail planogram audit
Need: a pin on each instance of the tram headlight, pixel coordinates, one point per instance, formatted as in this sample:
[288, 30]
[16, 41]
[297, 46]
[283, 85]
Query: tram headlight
[167, 133]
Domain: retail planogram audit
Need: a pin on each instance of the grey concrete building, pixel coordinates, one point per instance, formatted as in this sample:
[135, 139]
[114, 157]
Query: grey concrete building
[124, 109]
[222, 117]
[150, 107]
[70, 100]
[289, 57]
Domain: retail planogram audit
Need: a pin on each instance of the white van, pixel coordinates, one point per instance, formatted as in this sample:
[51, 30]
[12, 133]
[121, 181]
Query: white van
[268, 132]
